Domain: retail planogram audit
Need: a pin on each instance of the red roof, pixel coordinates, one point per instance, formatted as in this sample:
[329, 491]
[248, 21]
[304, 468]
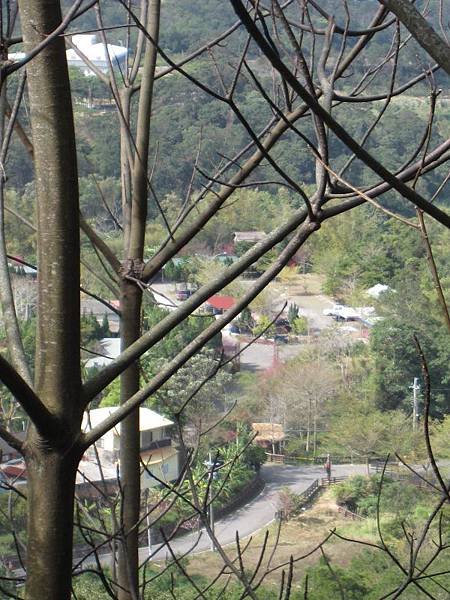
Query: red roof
[17, 470]
[221, 302]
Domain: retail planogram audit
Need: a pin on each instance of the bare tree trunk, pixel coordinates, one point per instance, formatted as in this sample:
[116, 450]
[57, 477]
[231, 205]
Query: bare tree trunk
[125, 162]
[13, 337]
[52, 460]
[131, 301]
[421, 30]
[50, 524]
[58, 345]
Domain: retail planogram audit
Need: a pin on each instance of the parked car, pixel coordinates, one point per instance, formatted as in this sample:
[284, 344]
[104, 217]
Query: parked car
[182, 294]
[339, 312]
[336, 309]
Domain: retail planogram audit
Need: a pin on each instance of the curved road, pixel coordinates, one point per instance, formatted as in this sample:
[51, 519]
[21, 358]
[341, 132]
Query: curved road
[256, 514]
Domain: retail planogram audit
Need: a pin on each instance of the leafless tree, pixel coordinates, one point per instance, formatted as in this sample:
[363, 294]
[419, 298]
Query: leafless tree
[310, 56]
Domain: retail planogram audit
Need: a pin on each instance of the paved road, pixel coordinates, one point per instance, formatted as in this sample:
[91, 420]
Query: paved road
[258, 513]
[250, 518]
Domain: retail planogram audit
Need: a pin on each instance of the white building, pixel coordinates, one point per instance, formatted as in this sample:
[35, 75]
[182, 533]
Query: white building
[99, 55]
[158, 454]
[110, 348]
[376, 290]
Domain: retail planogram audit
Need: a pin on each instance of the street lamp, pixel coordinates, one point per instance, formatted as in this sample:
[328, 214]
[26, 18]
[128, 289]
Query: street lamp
[212, 467]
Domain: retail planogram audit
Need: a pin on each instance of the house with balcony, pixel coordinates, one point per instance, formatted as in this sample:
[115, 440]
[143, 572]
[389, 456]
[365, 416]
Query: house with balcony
[158, 453]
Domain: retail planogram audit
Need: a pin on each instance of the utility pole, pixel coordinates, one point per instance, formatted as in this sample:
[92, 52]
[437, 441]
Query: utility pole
[149, 531]
[211, 516]
[210, 464]
[415, 413]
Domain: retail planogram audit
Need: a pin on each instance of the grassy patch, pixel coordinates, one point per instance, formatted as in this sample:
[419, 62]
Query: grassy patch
[298, 538]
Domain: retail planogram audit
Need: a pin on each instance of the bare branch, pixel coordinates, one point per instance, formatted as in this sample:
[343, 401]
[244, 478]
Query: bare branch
[44, 421]
[339, 131]
[421, 30]
[72, 13]
[303, 233]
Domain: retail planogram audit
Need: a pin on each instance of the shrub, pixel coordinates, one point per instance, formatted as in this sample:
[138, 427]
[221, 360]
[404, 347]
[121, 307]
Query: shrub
[300, 326]
[254, 456]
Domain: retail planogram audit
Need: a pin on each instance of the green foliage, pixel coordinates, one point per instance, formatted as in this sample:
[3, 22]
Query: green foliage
[440, 438]
[358, 429]
[300, 325]
[89, 586]
[87, 89]
[254, 456]
[184, 29]
[178, 270]
[177, 339]
[170, 396]
[13, 517]
[91, 329]
[379, 575]
[371, 575]
[293, 312]
[245, 319]
[7, 588]
[99, 145]
[353, 492]
[200, 402]
[21, 238]
[398, 500]
[407, 312]
[361, 249]
[92, 191]
[234, 468]
[324, 583]
[251, 210]
[264, 324]
[111, 395]
[28, 333]
[295, 447]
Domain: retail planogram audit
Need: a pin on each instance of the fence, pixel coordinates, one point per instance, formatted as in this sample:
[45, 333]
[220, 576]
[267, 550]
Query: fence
[335, 459]
[381, 465]
[311, 490]
[426, 482]
[349, 514]
[307, 495]
[326, 481]
[275, 458]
